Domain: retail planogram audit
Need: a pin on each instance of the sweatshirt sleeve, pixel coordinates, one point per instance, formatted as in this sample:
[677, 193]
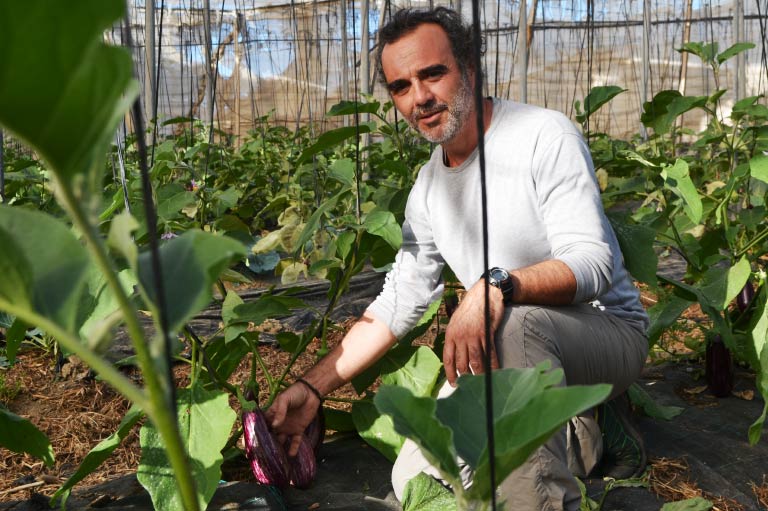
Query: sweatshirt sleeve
[569, 200]
[415, 278]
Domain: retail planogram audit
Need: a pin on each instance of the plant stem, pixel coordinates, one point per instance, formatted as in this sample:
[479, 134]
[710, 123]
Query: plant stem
[105, 369]
[158, 410]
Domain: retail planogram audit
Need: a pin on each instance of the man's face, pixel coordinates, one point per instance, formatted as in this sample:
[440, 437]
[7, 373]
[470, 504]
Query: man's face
[426, 83]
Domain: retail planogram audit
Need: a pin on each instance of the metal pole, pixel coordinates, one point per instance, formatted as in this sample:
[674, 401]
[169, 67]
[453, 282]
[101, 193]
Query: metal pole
[522, 50]
[738, 36]
[208, 62]
[646, 58]
[149, 58]
[238, 56]
[344, 57]
[365, 54]
[686, 40]
[2, 168]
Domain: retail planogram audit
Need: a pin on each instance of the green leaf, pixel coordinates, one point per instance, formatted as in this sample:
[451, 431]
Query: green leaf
[14, 336]
[353, 107]
[171, 199]
[424, 493]
[720, 286]
[99, 310]
[313, 224]
[223, 357]
[331, 138]
[512, 391]
[706, 52]
[100, 453]
[343, 171]
[596, 98]
[377, 429]
[664, 314]
[418, 373]
[289, 341]
[51, 279]
[205, 422]
[19, 435]
[758, 167]
[636, 242]
[520, 433]
[734, 50]
[694, 504]
[678, 180]
[383, 224]
[338, 420]
[61, 89]
[651, 408]
[414, 417]
[120, 237]
[190, 264]
[660, 113]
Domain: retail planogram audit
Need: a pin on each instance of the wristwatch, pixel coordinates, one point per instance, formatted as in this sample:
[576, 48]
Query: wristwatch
[500, 278]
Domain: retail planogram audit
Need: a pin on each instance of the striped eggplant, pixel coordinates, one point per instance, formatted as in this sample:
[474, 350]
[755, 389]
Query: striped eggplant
[315, 432]
[303, 466]
[267, 457]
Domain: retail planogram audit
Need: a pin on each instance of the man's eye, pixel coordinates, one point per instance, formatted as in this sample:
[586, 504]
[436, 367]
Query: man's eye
[397, 88]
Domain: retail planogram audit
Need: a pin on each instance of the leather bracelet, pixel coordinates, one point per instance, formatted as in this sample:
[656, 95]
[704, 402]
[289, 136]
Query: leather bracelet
[311, 388]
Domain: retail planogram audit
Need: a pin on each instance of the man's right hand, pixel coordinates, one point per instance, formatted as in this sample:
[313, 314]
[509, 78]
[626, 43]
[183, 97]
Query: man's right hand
[290, 414]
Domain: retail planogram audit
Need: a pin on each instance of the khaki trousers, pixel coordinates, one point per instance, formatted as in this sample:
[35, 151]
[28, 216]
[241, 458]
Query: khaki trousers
[591, 346]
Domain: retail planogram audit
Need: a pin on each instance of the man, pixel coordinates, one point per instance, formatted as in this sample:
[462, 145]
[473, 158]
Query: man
[560, 290]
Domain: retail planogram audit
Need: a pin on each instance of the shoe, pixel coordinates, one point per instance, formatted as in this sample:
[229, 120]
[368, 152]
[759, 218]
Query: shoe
[623, 449]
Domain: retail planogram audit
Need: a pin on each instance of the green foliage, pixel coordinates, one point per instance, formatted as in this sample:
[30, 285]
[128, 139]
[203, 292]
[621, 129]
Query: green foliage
[19, 435]
[528, 407]
[205, 420]
[424, 493]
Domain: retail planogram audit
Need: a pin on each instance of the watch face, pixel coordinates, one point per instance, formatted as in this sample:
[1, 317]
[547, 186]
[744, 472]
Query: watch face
[498, 274]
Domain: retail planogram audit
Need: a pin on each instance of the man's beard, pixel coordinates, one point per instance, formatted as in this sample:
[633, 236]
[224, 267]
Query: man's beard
[458, 110]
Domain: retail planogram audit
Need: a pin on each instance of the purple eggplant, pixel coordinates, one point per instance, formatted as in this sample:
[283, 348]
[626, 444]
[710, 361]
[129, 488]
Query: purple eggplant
[303, 466]
[315, 432]
[718, 369]
[267, 457]
[745, 296]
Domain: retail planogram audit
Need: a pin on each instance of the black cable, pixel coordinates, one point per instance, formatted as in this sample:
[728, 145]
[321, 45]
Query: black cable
[156, 85]
[477, 40]
[151, 218]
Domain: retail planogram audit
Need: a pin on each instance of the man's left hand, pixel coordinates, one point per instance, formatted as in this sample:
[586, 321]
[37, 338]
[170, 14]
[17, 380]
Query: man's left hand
[465, 337]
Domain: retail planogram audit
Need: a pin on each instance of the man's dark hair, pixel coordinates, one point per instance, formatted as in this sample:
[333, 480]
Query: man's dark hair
[406, 21]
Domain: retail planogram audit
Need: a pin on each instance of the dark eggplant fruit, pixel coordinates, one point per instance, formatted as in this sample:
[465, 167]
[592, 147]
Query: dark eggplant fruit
[267, 457]
[718, 366]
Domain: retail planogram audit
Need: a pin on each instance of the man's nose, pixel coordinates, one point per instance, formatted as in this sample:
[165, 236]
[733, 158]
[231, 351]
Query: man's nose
[422, 94]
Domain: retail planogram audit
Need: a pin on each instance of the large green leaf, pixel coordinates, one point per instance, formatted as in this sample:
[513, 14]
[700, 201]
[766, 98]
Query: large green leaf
[758, 167]
[333, 137]
[596, 98]
[660, 113]
[353, 107]
[383, 223]
[377, 429]
[190, 265]
[414, 418]
[61, 89]
[418, 373]
[721, 286]
[313, 224]
[694, 504]
[99, 309]
[19, 435]
[43, 264]
[424, 493]
[636, 242]
[100, 453]
[734, 50]
[512, 390]
[205, 422]
[518, 434]
[171, 199]
[664, 314]
[677, 179]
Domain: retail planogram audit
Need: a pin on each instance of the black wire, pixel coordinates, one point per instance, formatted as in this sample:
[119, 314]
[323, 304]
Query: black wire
[151, 218]
[156, 85]
[477, 40]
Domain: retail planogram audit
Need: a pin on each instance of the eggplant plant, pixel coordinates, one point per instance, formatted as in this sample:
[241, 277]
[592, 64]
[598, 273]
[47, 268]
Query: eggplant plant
[703, 197]
[529, 406]
[63, 92]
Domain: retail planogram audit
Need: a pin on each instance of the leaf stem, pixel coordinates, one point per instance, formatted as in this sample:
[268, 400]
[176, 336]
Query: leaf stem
[157, 409]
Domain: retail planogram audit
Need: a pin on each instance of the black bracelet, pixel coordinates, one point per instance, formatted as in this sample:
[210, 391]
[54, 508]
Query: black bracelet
[311, 387]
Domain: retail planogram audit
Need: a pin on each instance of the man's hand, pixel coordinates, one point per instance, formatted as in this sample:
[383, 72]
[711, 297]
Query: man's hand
[290, 414]
[465, 337]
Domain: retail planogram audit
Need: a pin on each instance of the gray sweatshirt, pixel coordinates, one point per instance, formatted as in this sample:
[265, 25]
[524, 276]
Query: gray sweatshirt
[543, 203]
